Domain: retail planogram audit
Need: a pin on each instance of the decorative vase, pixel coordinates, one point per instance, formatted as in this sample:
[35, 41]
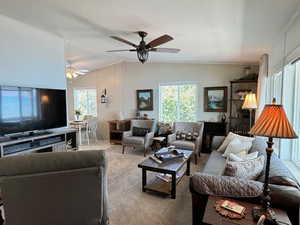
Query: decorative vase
[77, 117]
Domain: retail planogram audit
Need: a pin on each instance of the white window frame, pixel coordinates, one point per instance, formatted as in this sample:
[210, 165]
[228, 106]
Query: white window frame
[85, 88]
[177, 83]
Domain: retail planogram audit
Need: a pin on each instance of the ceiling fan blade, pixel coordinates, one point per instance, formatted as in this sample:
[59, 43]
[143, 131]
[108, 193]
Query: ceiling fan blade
[159, 41]
[168, 50]
[124, 41]
[124, 50]
[80, 72]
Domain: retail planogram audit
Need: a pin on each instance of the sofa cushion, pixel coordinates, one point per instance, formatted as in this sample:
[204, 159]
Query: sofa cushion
[250, 169]
[134, 140]
[183, 144]
[225, 186]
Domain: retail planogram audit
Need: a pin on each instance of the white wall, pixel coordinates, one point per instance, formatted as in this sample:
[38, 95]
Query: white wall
[109, 78]
[286, 46]
[122, 81]
[30, 57]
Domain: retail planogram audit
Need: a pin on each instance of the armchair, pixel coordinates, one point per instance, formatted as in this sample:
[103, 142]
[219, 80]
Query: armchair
[137, 141]
[195, 145]
[55, 188]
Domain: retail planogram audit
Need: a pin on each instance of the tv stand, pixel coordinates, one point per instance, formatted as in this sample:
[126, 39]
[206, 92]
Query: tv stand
[43, 141]
[28, 134]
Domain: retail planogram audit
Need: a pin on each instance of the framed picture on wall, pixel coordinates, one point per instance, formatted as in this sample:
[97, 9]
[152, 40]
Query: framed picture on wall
[215, 99]
[144, 100]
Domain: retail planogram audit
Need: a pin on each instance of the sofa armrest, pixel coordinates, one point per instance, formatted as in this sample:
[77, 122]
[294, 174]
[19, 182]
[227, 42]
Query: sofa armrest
[288, 199]
[226, 186]
[148, 139]
[217, 141]
[171, 138]
[198, 143]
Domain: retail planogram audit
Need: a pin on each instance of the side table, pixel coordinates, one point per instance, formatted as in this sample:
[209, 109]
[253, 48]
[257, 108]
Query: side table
[212, 217]
[158, 143]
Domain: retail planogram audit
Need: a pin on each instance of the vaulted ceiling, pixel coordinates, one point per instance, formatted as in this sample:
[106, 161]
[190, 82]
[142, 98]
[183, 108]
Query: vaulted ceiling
[206, 31]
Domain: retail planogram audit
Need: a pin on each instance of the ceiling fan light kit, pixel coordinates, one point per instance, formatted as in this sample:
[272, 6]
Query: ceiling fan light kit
[72, 73]
[143, 49]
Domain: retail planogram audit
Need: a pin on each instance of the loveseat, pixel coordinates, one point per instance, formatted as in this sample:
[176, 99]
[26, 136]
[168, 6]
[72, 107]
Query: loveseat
[285, 192]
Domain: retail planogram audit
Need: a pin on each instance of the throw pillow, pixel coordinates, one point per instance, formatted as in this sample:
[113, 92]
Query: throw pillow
[240, 158]
[250, 169]
[178, 135]
[235, 146]
[139, 131]
[189, 136]
[246, 140]
[183, 135]
[195, 135]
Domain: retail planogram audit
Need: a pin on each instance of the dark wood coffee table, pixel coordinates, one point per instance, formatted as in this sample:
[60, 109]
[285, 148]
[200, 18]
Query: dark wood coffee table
[211, 216]
[174, 168]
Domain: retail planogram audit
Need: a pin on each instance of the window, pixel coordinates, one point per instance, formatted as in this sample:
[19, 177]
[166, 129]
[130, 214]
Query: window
[178, 102]
[287, 84]
[85, 100]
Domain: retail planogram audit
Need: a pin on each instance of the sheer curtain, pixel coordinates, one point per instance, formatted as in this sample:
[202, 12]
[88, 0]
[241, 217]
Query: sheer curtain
[262, 84]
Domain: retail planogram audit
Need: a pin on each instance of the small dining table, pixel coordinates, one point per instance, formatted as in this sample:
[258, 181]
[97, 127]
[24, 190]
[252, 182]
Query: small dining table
[79, 125]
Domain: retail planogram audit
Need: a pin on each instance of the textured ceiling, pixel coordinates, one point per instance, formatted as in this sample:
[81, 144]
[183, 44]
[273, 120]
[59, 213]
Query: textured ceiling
[206, 31]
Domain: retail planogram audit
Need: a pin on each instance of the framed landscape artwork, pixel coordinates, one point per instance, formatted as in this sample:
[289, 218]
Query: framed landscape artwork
[144, 100]
[215, 99]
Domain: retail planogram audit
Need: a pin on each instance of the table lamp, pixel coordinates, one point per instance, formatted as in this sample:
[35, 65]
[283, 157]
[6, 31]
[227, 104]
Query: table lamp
[272, 123]
[251, 104]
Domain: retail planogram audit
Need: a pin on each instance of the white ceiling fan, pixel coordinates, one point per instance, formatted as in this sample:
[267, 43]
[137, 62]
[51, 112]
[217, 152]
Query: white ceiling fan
[72, 72]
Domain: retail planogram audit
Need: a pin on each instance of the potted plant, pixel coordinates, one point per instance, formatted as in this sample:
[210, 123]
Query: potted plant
[77, 114]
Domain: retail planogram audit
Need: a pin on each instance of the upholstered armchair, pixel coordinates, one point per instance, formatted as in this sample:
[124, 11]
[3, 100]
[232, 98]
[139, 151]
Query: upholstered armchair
[55, 188]
[187, 127]
[130, 139]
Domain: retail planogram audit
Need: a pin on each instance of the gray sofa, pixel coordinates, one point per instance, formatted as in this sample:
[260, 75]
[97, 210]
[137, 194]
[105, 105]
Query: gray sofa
[283, 196]
[55, 188]
[136, 141]
[186, 127]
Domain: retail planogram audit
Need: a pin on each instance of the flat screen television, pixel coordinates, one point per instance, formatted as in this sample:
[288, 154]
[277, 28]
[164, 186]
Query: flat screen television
[25, 109]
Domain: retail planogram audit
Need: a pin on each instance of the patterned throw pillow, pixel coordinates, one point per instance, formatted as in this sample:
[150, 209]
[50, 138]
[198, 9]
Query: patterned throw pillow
[250, 169]
[189, 136]
[178, 135]
[140, 132]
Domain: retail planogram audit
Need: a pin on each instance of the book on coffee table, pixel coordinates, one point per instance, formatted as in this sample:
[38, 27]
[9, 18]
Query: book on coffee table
[168, 155]
[166, 177]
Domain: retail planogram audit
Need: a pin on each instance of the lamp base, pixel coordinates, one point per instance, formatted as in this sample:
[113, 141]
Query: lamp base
[257, 212]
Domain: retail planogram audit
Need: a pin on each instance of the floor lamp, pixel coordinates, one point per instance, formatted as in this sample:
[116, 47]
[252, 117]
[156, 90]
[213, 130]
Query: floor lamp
[250, 104]
[272, 123]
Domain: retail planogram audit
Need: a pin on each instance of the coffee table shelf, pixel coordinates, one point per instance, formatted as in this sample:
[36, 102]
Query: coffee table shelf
[158, 185]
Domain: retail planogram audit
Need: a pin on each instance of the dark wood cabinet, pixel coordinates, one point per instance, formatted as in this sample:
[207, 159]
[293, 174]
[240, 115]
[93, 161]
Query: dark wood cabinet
[116, 130]
[210, 130]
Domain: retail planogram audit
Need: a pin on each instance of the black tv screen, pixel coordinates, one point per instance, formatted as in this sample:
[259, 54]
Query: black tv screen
[27, 109]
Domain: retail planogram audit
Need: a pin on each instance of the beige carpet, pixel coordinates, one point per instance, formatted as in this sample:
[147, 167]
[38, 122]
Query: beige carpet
[130, 206]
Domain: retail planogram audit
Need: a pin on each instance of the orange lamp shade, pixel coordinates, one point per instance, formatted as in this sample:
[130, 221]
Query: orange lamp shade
[273, 122]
